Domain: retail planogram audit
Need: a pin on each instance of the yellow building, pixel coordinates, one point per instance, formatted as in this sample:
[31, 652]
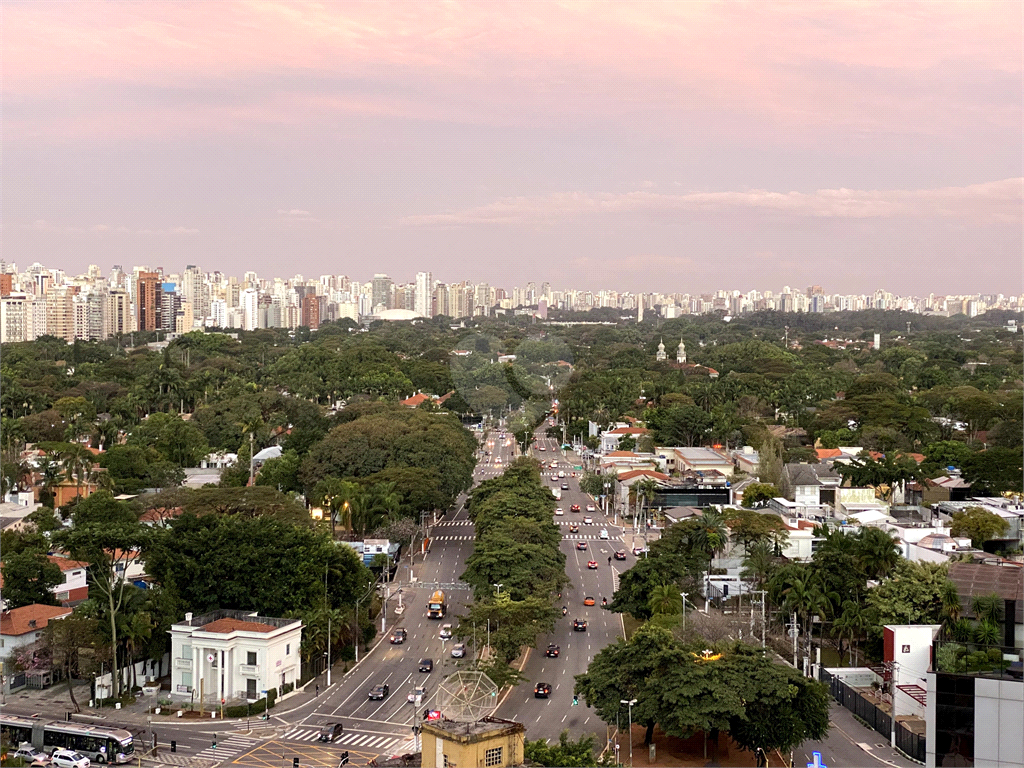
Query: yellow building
[487, 743]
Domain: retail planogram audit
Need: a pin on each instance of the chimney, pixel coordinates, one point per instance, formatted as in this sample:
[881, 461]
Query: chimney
[188, 618]
[32, 623]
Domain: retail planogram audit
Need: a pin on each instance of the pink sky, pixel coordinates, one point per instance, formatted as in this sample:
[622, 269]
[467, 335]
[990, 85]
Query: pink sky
[626, 145]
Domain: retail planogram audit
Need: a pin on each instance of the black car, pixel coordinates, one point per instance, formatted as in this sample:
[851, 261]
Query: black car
[379, 692]
[552, 651]
[330, 732]
[620, 555]
[541, 690]
[579, 625]
[426, 665]
[398, 636]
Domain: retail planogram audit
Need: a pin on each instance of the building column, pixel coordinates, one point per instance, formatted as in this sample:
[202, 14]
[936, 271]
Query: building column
[197, 669]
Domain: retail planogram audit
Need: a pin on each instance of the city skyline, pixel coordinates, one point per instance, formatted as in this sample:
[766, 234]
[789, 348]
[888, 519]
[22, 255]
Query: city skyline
[786, 144]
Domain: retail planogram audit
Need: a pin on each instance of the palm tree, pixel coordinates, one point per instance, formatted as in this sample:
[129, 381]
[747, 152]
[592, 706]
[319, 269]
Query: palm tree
[852, 624]
[951, 607]
[711, 535]
[386, 498]
[136, 630]
[250, 426]
[645, 490]
[339, 496]
[666, 599]
[50, 468]
[878, 552]
[988, 608]
[759, 562]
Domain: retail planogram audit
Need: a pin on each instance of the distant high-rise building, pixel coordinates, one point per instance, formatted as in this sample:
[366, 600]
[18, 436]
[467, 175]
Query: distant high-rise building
[424, 294]
[117, 318]
[148, 301]
[381, 292]
[6, 284]
[13, 321]
[60, 312]
[250, 309]
[311, 311]
[195, 290]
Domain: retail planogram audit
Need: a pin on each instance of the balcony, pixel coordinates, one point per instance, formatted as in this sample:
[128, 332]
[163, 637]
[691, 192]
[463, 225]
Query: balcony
[992, 661]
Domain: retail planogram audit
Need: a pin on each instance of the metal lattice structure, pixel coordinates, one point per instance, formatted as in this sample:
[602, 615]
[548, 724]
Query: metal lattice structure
[466, 697]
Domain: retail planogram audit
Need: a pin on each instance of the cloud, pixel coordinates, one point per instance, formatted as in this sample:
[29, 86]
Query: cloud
[990, 202]
[42, 225]
[295, 212]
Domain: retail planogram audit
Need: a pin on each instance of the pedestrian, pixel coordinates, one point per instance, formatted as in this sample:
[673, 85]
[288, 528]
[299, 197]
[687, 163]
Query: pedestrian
[609, 561]
[318, 689]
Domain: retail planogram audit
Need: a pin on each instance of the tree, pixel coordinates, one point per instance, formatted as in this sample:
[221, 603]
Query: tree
[995, 471]
[515, 624]
[979, 525]
[769, 468]
[566, 752]
[28, 577]
[912, 596]
[758, 494]
[174, 439]
[878, 552]
[105, 534]
[748, 527]
[65, 639]
[665, 599]
[759, 562]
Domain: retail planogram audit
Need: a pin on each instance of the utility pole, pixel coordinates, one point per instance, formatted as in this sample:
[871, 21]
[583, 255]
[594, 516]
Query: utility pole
[793, 631]
[684, 595]
[327, 608]
[894, 668]
[764, 599]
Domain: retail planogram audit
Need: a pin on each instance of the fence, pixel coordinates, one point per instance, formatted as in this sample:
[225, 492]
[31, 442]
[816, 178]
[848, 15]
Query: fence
[910, 743]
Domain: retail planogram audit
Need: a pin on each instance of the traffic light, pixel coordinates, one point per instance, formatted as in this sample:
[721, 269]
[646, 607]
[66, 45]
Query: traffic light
[575, 700]
[344, 758]
[214, 744]
[295, 762]
[174, 746]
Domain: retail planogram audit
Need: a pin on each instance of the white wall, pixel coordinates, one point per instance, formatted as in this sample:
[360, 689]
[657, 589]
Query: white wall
[998, 723]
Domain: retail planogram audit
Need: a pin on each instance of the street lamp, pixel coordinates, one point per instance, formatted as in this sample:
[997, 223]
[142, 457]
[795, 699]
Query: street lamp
[499, 586]
[684, 596]
[630, 704]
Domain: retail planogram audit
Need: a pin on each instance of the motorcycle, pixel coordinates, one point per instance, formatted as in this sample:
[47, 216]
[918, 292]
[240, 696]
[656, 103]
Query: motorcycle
[564, 610]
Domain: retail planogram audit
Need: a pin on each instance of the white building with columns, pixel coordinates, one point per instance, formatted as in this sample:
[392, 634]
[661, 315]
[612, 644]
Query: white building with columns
[233, 656]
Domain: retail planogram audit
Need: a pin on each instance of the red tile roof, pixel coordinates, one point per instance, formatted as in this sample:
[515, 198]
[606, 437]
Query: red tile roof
[828, 453]
[646, 472]
[620, 454]
[19, 621]
[66, 563]
[416, 400]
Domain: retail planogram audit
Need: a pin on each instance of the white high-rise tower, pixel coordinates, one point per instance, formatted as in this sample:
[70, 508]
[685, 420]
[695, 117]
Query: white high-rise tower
[424, 294]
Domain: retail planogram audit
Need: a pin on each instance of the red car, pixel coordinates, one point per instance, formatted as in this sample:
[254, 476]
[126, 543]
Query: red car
[581, 545]
[575, 507]
[620, 555]
[592, 565]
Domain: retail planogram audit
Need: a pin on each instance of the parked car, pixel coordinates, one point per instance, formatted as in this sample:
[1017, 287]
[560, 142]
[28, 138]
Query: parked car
[542, 690]
[330, 732]
[67, 758]
[579, 625]
[620, 554]
[592, 565]
[398, 636]
[552, 651]
[379, 692]
[426, 665]
[459, 651]
[32, 756]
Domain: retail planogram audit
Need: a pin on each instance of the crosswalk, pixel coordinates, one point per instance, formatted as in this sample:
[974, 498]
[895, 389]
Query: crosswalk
[449, 523]
[228, 747]
[455, 538]
[588, 537]
[354, 740]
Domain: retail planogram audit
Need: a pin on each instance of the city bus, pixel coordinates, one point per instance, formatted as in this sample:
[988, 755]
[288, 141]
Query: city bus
[100, 743]
[437, 607]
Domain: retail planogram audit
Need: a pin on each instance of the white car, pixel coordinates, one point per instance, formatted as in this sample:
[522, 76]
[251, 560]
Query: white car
[459, 651]
[559, 511]
[446, 632]
[591, 508]
[66, 758]
[588, 520]
[561, 473]
[32, 756]
[419, 692]
[604, 533]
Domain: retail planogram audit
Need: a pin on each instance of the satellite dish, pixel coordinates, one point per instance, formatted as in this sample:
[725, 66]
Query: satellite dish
[466, 697]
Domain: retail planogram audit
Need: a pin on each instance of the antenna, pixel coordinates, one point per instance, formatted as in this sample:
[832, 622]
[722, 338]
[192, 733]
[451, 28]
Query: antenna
[466, 697]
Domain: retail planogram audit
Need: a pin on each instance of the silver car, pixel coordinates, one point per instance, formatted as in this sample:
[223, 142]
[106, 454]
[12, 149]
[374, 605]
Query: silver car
[66, 758]
[459, 651]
